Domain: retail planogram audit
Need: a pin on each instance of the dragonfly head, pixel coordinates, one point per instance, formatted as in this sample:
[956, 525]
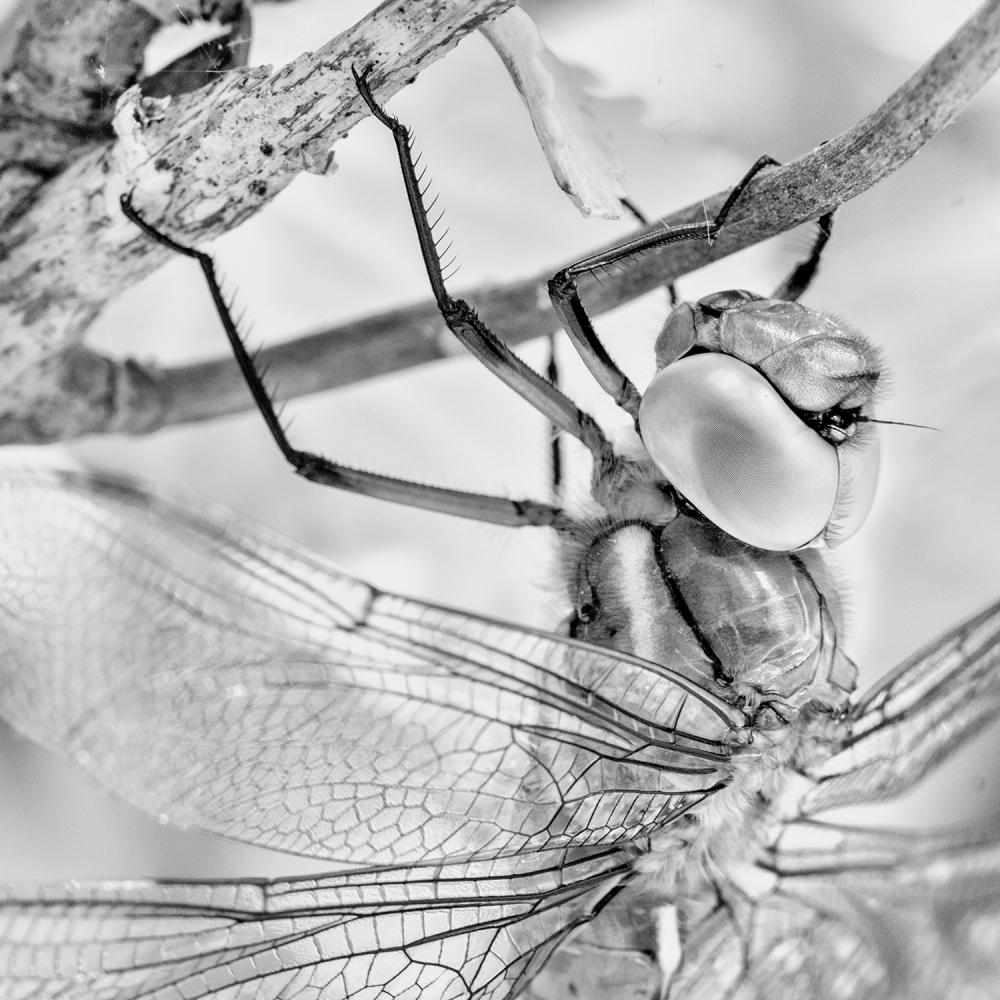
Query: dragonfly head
[760, 415]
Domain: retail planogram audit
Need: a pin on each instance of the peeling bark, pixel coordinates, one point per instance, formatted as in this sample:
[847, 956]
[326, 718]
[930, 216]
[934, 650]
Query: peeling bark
[199, 164]
[63, 65]
[199, 175]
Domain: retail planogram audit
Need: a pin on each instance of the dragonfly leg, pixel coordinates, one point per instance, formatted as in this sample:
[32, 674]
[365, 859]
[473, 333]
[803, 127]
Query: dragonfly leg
[801, 277]
[315, 468]
[461, 318]
[643, 220]
[565, 296]
[556, 457]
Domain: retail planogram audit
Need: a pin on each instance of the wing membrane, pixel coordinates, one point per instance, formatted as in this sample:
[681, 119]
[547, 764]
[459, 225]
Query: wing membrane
[476, 930]
[216, 677]
[915, 717]
[870, 915]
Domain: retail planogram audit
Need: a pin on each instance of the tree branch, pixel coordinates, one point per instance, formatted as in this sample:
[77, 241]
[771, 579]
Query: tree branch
[108, 395]
[200, 164]
[64, 63]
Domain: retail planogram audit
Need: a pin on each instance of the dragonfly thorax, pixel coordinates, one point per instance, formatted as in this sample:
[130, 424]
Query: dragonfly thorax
[755, 624]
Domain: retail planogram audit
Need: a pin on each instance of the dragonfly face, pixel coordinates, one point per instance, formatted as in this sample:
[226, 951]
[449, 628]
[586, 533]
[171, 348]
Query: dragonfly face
[760, 414]
[505, 785]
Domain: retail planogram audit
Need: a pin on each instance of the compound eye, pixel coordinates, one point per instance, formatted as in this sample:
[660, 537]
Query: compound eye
[726, 440]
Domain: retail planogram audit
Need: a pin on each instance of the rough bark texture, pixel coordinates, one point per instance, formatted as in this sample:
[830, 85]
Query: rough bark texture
[64, 65]
[199, 175]
[199, 164]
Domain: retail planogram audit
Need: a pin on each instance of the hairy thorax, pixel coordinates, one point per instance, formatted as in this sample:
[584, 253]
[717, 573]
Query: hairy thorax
[756, 628]
[655, 579]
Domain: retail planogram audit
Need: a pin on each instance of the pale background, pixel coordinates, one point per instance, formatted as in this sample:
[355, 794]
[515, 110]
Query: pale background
[692, 91]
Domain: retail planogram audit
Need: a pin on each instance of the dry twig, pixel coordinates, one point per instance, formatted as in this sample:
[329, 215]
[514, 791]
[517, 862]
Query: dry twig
[54, 387]
[200, 163]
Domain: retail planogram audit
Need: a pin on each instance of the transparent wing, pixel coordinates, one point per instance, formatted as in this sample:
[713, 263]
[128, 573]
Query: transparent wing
[216, 677]
[612, 956]
[865, 915]
[480, 929]
[915, 717]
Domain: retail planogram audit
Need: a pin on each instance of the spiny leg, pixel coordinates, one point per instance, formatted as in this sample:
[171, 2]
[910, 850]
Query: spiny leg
[556, 457]
[643, 220]
[793, 287]
[565, 295]
[461, 317]
[555, 441]
[315, 468]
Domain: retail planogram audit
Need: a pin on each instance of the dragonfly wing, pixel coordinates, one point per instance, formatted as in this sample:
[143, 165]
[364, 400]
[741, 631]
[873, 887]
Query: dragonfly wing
[915, 717]
[613, 955]
[217, 677]
[473, 930]
[869, 915]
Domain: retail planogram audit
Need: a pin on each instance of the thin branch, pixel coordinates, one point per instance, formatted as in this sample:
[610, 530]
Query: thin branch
[109, 395]
[64, 64]
[199, 165]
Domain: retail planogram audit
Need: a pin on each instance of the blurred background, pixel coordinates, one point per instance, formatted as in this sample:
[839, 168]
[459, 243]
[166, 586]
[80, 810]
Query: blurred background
[692, 91]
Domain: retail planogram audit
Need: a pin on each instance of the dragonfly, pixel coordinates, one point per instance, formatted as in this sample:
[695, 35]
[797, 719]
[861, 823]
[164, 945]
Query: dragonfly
[512, 811]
